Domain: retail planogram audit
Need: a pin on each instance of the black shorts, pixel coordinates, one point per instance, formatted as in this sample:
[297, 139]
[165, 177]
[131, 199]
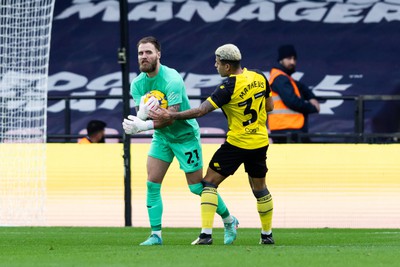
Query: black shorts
[228, 158]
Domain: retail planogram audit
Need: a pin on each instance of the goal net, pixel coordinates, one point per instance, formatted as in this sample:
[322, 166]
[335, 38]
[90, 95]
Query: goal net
[25, 30]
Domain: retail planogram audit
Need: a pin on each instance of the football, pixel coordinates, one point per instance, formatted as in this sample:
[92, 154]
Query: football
[162, 100]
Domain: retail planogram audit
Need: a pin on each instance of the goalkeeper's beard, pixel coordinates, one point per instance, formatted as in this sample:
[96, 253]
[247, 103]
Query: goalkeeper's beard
[149, 67]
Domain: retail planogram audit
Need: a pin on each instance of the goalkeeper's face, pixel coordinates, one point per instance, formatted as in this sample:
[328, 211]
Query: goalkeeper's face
[148, 57]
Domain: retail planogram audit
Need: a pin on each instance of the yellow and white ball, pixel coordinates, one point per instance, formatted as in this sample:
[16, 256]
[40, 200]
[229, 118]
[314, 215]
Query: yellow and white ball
[160, 96]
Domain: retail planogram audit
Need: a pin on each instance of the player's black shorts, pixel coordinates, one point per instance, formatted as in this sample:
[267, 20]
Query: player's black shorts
[228, 158]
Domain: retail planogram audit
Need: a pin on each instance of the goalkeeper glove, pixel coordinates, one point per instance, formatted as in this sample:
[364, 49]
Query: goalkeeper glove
[134, 125]
[144, 108]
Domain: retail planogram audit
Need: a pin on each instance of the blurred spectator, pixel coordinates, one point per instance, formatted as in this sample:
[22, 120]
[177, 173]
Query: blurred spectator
[95, 132]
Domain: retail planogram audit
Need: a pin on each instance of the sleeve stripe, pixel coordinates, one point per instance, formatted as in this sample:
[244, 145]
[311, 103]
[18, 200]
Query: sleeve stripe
[212, 102]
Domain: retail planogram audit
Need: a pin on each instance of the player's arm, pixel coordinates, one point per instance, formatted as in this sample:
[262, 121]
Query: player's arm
[269, 104]
[170, 115]
[161, 122]
[200, 111]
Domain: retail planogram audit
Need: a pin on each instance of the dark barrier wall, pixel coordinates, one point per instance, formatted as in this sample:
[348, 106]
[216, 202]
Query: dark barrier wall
[345, 48]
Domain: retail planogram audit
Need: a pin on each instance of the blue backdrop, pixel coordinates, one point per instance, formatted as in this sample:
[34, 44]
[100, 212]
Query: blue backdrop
[345, 48]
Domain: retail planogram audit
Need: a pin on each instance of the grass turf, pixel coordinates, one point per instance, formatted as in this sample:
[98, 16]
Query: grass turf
[99, 246]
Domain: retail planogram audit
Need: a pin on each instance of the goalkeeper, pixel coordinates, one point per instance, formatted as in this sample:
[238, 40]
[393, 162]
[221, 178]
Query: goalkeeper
[180, 139]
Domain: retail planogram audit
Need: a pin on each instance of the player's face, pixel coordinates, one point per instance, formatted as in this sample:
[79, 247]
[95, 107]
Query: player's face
[289, 63]
[221, 68]
[148, 57]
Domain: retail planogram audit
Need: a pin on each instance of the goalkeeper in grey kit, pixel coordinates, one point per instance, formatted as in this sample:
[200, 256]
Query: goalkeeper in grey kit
[180, 139]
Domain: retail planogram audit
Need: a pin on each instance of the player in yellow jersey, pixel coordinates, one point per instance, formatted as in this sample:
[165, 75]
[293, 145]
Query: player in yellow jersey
[245, 98]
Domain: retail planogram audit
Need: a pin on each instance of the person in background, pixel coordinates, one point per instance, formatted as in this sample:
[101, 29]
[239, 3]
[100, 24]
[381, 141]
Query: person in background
[180, 139]
[293, 101]
[95, 132]
[245, 98]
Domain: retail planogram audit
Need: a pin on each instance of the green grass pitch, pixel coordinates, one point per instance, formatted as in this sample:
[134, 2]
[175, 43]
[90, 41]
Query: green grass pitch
[114, 246]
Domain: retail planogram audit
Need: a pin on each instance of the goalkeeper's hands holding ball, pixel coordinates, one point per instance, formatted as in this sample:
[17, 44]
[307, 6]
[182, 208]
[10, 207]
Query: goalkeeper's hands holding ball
[144, 108]
[136, 124]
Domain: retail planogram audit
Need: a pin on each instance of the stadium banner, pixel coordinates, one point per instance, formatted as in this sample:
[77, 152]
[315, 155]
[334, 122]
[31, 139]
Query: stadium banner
[331, 185]
[345, 48]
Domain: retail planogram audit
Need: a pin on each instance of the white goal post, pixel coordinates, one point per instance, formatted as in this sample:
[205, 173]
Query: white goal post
[25, 31]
